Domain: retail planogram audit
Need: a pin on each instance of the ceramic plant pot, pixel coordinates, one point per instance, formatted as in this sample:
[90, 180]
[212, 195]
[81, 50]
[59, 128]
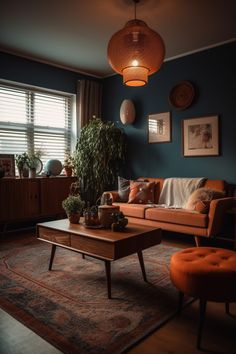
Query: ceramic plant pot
[105, 214]
[68, 171]
[32, 173]
[74, 218]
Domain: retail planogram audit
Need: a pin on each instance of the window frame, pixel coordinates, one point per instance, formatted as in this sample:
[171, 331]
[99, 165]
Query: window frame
[40, 90]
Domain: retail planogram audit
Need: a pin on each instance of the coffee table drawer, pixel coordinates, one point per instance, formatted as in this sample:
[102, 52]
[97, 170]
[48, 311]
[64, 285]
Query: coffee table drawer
[59, 237]
[94, 247]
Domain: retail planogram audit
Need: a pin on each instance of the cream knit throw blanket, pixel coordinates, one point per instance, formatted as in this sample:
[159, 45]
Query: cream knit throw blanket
[175, 191]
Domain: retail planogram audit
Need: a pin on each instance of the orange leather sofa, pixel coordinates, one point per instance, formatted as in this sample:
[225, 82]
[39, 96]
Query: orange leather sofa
[179, 220]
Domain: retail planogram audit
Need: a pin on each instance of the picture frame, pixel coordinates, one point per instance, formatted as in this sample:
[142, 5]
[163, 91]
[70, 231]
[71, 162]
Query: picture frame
[159, 128]
[7, 161]
[200, 136]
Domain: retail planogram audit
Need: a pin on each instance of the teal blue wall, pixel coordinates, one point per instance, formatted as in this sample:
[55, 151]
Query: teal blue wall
[30, 72]
[213, 73]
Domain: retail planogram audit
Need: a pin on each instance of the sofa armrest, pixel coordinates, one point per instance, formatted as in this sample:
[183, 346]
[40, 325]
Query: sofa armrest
[218, 207]
[114, 195]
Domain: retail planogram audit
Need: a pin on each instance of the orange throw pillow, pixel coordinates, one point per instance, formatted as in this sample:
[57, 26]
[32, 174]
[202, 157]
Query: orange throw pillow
[202, 206]
[141, 192]
[202, 195]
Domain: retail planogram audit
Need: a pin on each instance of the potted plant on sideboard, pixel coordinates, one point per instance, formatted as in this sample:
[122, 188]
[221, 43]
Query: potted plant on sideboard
[68, 164]
[22, 163]
[34, 163]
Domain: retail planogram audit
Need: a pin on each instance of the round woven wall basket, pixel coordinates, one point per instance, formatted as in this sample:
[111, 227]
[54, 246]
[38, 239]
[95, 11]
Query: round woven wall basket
[182, 95]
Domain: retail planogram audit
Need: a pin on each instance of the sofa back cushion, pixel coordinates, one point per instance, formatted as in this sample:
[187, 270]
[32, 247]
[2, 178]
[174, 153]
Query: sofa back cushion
[217, 184]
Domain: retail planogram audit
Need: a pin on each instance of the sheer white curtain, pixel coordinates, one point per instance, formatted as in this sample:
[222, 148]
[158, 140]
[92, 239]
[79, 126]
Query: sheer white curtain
[88, 102]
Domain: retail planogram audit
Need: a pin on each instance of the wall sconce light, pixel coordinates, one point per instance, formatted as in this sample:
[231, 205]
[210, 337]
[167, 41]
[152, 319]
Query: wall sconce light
[136, 51]
[127, 112]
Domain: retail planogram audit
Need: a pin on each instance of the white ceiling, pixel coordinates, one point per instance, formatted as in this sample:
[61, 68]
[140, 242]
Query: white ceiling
[74, 33]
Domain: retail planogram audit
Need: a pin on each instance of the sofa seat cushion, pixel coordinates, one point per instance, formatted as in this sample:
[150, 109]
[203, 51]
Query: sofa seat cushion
[134, 210]
[177, 216]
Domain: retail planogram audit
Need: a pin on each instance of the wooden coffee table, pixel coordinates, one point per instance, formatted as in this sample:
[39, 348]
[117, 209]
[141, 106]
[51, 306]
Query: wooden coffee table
[103, 244]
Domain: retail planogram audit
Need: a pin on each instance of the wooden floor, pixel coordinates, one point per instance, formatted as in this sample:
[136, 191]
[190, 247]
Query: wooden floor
[176, 336]
[179, 335]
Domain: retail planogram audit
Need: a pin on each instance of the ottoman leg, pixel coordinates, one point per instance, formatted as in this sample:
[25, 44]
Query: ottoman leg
[202, 307]
[180, 304]
[227, 308]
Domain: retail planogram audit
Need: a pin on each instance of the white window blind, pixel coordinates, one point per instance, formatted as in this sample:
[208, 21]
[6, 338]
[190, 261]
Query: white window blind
[32, 120]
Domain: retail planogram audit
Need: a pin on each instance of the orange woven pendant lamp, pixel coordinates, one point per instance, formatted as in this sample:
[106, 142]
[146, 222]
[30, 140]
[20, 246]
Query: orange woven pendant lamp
[136, 51]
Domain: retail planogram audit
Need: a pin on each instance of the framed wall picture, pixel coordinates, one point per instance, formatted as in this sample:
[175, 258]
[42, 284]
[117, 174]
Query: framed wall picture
[8, 163]
[201, 136]
[159, 128]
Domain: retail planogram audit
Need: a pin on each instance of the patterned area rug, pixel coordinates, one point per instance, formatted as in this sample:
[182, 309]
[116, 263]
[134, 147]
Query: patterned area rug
[68, 306]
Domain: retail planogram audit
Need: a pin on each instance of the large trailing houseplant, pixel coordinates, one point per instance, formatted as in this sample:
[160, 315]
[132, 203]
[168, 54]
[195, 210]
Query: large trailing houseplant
[99, 155]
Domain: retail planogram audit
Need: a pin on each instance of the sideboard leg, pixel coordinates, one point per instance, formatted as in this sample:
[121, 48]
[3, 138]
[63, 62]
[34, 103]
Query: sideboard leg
[198, 241]
[227, 308]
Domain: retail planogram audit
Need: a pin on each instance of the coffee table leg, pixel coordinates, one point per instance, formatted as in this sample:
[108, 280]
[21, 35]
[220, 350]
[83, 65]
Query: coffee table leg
[52, 256]
[140, 257]
[108, 275]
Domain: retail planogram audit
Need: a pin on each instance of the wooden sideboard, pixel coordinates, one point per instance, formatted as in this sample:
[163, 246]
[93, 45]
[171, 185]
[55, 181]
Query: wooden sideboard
[23, 199]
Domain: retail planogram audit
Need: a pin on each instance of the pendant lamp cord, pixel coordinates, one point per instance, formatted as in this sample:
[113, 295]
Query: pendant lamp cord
[135, 3]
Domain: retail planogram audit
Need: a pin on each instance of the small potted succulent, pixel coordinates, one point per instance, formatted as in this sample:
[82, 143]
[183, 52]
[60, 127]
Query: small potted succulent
[73, 206]
[119, 221]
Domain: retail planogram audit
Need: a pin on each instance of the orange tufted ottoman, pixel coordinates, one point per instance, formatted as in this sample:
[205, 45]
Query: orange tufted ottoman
[205, 273]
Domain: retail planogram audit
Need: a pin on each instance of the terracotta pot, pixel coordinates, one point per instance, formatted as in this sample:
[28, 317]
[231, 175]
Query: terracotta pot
[68, 171]
[74, 218]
